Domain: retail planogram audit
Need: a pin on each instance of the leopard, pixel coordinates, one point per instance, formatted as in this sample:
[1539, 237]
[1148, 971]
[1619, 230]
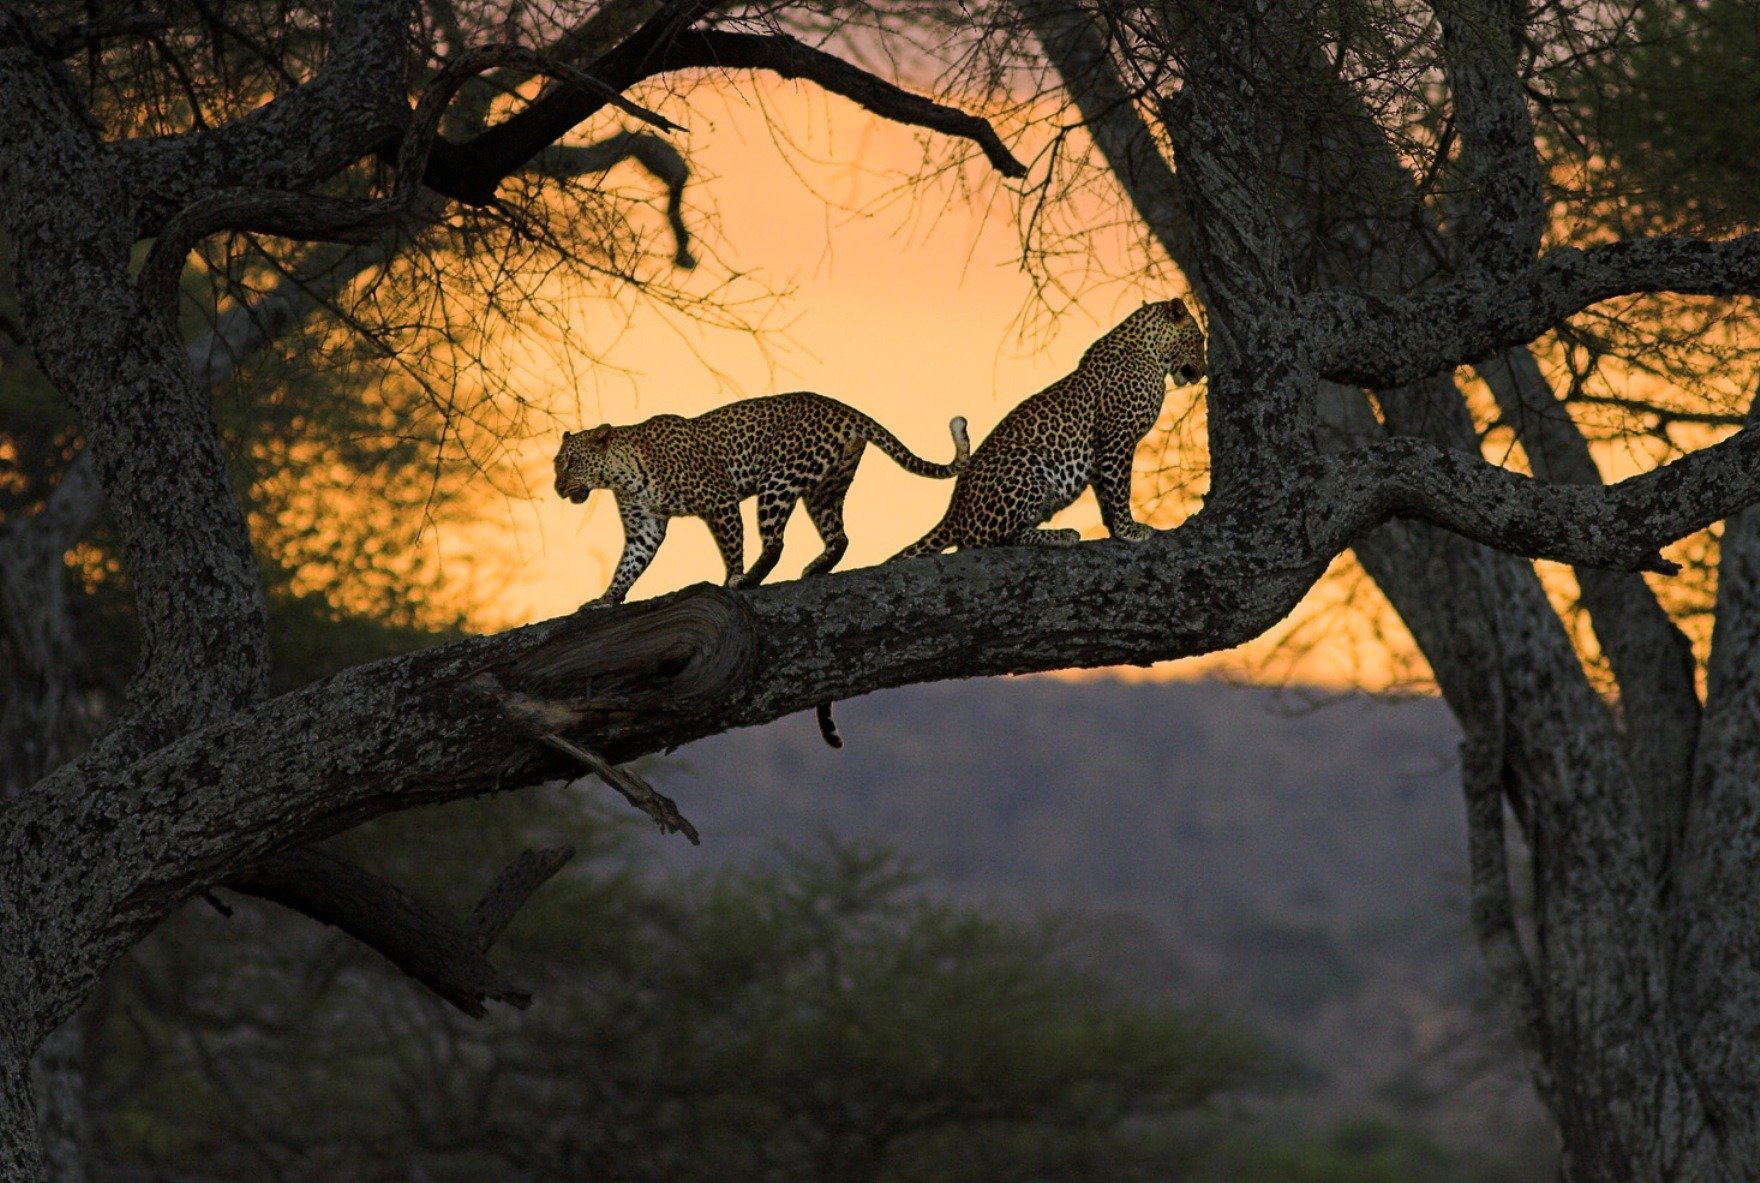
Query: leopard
[1081, 430]
[780, 448]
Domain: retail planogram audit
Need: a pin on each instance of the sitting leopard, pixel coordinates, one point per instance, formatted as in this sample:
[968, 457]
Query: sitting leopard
[779, 449]
[1082, 429]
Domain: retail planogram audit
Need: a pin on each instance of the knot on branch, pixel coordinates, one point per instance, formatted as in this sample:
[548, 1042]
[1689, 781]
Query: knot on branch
[674, 655]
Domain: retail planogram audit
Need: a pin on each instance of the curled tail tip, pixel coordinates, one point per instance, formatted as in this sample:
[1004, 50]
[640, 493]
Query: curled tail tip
[828, 726]
[962, 442]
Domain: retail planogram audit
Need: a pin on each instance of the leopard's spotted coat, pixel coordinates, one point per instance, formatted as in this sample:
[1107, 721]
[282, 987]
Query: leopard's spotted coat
[781, 448]
[1081, 430]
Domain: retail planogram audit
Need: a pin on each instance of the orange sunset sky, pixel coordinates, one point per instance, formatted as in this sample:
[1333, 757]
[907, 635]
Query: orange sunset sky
[912, 306]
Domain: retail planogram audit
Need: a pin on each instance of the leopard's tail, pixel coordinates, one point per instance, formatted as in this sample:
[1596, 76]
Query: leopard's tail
[911, 462]
[932, 543]
[828, 726]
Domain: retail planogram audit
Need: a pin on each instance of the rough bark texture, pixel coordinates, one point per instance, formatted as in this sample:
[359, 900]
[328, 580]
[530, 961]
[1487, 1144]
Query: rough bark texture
[1625, 1001]
[445, 956]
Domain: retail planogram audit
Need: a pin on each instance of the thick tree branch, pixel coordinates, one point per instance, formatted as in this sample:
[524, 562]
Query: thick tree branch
[1240, 249]
[626, 681]
[356, 101]
[1713, 905]
[1375, 340]
[150, 429]
[1620, 526]
[1652, 660]
[1484, 776]
[787, 57]
[511, 889]
[444, 956]
[664, 162]
[471, 172]
[1506, 213]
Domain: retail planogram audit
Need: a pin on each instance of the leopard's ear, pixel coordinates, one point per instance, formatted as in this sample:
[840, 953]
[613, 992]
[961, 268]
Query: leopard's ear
[596, 434]
[1176, 309]
[566, 436]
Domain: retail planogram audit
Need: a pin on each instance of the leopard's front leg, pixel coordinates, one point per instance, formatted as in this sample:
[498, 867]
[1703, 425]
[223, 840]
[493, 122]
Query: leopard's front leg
[1112, 486]
[643, 532]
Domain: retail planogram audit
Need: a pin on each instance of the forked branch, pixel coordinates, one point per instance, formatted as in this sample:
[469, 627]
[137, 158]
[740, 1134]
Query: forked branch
[443, 955]
[1383, 341]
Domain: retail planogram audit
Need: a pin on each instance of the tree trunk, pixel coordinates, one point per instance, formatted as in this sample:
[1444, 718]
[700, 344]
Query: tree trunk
[21, 1159]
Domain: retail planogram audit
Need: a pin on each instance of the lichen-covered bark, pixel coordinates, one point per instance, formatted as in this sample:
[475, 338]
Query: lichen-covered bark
[151, 436]
[1715, 908]
[20, 1149]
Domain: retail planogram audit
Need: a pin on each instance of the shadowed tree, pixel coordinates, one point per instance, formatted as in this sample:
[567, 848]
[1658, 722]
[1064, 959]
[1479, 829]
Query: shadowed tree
[206, 780]
[1625, 978]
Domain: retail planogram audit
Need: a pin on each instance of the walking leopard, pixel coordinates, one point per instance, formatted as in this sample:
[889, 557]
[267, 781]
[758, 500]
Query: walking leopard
[780, 448]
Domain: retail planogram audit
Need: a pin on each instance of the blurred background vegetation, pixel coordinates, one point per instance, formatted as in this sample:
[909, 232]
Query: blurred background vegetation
[824, 1014]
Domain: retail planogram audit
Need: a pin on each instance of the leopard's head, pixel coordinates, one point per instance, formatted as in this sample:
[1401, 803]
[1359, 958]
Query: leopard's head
[1167, 328]
[587, 460]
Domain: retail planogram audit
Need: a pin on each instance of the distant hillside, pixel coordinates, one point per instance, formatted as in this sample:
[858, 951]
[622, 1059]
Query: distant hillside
[1307, 865]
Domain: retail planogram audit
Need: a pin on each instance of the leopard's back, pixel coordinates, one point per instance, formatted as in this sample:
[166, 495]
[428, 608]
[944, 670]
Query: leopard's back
[795, 439]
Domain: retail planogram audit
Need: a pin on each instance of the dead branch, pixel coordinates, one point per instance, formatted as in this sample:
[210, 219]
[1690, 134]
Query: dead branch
[446, 957]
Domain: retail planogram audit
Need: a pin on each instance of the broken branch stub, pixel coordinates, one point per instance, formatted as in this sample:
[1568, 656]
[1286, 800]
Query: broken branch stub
[679, 655]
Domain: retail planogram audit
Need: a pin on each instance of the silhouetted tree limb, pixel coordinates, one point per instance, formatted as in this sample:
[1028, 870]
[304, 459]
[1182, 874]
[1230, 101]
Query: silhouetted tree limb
[445, 956]
[1478, 316]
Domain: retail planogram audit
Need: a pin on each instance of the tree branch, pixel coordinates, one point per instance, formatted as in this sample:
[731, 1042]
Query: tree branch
[1712, 905]
[510, 891]
[1078, 51]
[314, 216]
[1240, 248]
[787, 57]
[1484, 774]
[1651, 658]
[1620, 526]
[664, 162]
[446, 957]
[356, 101]
[1375, 340]
[1507, 212]
[93, 33]
[626, 681]
[472, 171]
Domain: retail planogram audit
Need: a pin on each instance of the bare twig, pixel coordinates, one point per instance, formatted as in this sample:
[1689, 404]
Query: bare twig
[636, 790]
[90, 34]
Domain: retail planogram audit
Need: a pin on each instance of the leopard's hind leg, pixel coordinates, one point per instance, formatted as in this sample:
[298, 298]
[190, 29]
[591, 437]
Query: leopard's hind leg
[775, 503]
[825, 508]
